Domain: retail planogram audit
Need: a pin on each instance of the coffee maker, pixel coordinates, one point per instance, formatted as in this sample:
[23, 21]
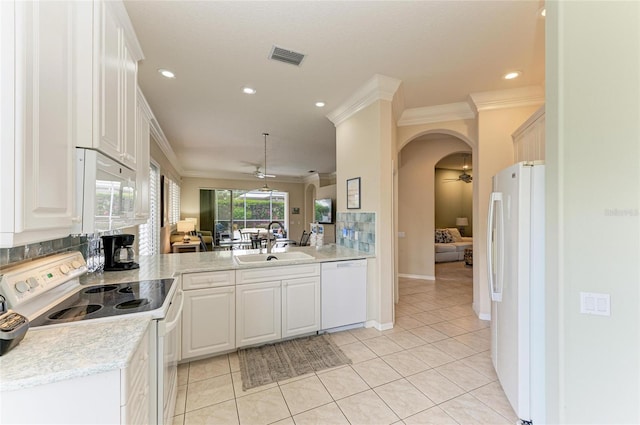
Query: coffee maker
[118, 254]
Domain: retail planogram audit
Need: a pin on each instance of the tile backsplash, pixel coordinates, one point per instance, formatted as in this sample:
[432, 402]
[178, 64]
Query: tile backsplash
[348, 223]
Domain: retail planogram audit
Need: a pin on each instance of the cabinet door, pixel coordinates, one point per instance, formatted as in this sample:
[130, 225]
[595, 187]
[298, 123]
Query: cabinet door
[109, 79]
[129, 148]
[208, 321]
[300, 306]
[143, 157]
[40, 164]
[258, 313]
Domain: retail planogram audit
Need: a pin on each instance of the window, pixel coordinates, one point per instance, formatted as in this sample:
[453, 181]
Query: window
[149, 233]
[174, 206]
[239, 209]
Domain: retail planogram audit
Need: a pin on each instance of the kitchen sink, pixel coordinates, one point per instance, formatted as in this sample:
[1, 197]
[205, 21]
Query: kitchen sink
[274, 257]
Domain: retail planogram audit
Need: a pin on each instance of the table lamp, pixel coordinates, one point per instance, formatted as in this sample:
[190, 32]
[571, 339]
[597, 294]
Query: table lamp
[461, 222]
[186, 227]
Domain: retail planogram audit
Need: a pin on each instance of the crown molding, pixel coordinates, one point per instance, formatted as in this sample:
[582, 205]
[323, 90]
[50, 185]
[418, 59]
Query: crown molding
[511, 98]
[163, 144]
[439, 113]
[379, 87]
[231, 175]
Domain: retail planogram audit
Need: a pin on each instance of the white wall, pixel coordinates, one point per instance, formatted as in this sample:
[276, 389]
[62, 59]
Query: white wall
[593, 201]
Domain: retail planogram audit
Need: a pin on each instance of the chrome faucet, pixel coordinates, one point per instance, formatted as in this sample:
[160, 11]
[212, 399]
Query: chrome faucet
[270, 235]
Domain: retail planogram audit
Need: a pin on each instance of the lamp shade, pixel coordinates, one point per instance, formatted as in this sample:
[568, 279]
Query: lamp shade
[194, 220]
[186, 226]
[462, 221]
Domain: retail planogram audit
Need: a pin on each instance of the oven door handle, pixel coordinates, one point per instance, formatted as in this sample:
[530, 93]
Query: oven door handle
[165, 327]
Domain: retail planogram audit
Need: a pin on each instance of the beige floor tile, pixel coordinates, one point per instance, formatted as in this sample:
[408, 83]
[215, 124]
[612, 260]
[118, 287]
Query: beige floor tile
[365, 333]
[403, 398]
[210, 391]
[470, 323]
[408, 322]
[426, 304]
[476, 342]
[481, 362]
[405, 363]
[343, 382]
[405, 339]
[454, 348]
[493, 396]
[183, 374]
[429, 334]
[464, 376]
[239, 392]
[263, 407]
[428, 318]
[285, 421]
[323, 415]
[406, 309]
[221, 413]
[178, 420]
[342, 338]
[367, 409]
[431, 355]
[234, 362]
[435, 386]
[448, 329]
[433, 416]
[181, 400]
[208, 368]
[376, 372]
[382, 345]
[358, 352]
[467, 409]
[305, 394]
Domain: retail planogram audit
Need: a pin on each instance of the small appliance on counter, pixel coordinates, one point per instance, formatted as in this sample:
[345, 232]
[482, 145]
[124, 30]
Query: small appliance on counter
[13, 327]
[118, 254]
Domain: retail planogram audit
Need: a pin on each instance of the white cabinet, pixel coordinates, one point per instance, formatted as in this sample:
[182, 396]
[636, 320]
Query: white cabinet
[37, 119]
[529, 138]
[208, 317]
[109, 80]
[258, 314]
[300, 306]
[143, 134]
[135, 395]
[276, 302]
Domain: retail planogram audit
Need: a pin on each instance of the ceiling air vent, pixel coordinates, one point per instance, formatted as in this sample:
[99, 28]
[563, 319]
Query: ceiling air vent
[286, 56]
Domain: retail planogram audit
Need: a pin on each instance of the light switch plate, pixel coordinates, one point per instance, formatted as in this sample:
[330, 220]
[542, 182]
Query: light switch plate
[594, 303]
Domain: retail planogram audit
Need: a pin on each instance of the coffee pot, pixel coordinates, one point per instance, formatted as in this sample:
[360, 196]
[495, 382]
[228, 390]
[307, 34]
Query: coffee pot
[118, 253]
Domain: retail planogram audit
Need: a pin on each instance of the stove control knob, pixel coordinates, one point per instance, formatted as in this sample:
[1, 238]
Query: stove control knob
[33, 282]
[76, 264]
[22, 287]
[64, 269]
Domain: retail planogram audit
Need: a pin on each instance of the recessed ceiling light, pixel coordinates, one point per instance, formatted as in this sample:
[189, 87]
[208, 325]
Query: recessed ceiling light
[320, 104]
[166, 73]
[512, 75]
[248, 90]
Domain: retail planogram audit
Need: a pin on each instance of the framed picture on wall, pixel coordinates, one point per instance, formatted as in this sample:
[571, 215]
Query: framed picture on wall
[353, 193]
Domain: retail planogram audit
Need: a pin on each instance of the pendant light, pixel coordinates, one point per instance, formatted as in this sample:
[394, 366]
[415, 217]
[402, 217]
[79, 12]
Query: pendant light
[266, 187]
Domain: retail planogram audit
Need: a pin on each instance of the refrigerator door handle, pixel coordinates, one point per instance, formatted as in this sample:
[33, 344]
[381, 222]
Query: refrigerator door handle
[495, 245]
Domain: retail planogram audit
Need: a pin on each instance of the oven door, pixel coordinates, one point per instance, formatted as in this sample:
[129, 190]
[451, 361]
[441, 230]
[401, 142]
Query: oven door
[168, 356]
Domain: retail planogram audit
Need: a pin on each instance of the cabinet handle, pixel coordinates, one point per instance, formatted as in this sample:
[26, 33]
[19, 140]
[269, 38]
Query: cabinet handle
[76, 219]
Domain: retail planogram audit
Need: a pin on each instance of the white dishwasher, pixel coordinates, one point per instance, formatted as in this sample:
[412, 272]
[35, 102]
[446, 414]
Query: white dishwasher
[343, 293]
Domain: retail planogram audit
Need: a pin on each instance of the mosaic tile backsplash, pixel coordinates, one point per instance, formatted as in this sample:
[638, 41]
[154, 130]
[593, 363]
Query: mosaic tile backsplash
[89, 245]
[348, 223]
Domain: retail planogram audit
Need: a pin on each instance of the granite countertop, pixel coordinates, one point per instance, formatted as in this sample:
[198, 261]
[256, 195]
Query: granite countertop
[56, 353]
[171, 265]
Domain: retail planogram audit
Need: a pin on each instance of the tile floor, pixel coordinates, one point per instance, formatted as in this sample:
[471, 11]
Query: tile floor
[433, 367]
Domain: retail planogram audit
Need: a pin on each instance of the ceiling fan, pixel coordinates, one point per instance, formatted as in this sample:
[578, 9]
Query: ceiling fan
[260, 174]
[464, 177]
[266, 187]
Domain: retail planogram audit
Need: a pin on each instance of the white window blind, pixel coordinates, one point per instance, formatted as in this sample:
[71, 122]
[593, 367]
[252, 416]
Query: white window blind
[149, 233]
[174, 205]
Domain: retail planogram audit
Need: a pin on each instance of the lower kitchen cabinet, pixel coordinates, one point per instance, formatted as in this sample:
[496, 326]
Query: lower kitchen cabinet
[208, 320]
[300, 306]
[258, 313]
[209, 313]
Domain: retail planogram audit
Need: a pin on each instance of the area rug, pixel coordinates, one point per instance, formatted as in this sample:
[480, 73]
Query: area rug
[288, 359]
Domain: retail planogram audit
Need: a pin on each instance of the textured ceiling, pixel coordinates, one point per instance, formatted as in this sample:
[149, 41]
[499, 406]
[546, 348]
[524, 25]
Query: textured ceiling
[440, 50]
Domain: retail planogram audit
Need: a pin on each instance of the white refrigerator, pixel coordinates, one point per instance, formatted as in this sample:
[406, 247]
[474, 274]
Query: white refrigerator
[515, 249]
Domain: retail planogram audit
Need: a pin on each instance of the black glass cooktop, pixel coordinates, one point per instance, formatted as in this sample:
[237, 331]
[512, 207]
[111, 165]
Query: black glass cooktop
[94, 302]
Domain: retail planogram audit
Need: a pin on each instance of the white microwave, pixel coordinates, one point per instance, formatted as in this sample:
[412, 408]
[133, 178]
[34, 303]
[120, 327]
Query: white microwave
[105, 193]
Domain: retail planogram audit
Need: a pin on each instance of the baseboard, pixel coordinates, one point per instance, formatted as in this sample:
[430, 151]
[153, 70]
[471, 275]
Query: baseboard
[377, 325]
[417, 276]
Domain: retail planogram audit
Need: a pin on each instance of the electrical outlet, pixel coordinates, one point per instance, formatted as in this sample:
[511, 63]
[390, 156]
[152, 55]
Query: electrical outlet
[596, 304]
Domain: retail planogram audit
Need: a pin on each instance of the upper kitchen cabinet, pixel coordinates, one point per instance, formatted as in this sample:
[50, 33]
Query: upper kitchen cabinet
[37, 119]
[109, 77]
